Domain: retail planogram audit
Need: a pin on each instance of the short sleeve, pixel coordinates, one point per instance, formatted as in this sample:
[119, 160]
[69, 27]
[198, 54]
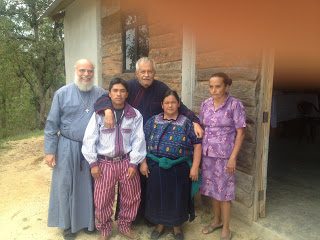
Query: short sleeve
[239, 115]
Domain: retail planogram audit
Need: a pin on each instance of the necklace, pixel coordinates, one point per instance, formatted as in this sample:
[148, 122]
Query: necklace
[87, 107]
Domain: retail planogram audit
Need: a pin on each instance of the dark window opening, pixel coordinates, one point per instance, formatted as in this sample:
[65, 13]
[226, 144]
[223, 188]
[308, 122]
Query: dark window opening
[135, 40]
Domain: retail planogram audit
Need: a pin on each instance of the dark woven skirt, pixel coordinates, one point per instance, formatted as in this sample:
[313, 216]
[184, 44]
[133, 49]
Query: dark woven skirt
[168, 196]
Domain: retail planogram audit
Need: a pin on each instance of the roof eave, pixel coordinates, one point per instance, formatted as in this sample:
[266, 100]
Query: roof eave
[55, 8]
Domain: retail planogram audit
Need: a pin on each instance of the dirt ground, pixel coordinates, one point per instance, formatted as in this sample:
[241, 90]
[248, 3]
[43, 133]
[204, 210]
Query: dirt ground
[25, 187]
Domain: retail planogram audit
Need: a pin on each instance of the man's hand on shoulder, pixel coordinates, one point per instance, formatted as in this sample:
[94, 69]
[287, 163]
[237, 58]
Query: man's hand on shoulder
[109, 119]
[51, 160]
[198, 130]
[95, 172]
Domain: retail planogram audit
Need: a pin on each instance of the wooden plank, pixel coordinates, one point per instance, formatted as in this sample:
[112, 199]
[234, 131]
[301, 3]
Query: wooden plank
[233, 72]
[243, 197]
[170, 54]
[164, 67]
[246, 157]
[188, 67]
[165, 40]
[158, 28]
[226, 58]
[111, 49]
[115, 38]
[242, 211]
[267, 79]
[112, 65]
[111, 24]
[244, 90]
[251, 132]
[244, 181]
[109, 7]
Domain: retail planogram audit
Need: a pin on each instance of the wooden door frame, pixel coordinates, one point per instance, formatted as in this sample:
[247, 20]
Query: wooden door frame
[188, 77]
[263, 130]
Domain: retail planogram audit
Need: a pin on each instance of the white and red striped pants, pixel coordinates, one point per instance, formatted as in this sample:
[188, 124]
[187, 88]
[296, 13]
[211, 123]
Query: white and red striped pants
[104, 196]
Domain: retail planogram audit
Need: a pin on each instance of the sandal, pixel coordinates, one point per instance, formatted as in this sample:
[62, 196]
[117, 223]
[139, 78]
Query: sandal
[210, 228]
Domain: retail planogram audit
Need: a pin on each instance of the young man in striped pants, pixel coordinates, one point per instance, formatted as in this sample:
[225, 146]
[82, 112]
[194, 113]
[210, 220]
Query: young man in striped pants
[114, 155]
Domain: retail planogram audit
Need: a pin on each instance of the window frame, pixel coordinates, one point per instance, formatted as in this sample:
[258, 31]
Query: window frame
[140, 21]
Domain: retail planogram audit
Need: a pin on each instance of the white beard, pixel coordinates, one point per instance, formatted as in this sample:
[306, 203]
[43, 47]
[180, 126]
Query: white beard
[83, 86]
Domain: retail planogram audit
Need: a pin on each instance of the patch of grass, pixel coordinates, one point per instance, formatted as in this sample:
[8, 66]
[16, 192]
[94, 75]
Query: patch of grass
[35, 133]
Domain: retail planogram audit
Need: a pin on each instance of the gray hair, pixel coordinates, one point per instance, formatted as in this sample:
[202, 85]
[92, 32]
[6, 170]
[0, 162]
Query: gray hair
[145, 60]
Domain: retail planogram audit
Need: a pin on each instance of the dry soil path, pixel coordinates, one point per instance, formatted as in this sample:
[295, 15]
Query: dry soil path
[25, 186]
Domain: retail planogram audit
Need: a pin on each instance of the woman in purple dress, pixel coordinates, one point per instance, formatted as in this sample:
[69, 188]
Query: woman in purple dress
[224, 121]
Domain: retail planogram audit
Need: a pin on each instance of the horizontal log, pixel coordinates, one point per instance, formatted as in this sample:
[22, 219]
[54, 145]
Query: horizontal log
[165, 40]
[250, 113]
[251, 133]
[170, 79]
[243, 89]
[246, 157]
[244, 181]
[160, 29]
[176, 66]
[113, 58]
[109, 7]
[233, 72]
[111, 24]
[243, 197]
[162, 55]
[111, 49]
[112, 65]
[243, 212]
[227, 58]
[115, 38]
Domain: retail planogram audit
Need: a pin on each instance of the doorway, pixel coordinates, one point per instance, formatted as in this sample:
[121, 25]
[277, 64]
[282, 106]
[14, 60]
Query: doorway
[292, 205]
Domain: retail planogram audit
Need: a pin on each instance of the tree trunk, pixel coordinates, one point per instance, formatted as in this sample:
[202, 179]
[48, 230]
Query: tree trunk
[42, 106]
[4, 111]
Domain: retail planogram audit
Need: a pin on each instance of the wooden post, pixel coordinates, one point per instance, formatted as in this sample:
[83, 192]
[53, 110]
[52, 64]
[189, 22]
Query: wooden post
[264, 112]
[188, 67]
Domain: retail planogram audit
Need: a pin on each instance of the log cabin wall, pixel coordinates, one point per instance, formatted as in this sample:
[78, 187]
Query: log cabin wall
[244, 69]
[165, 47]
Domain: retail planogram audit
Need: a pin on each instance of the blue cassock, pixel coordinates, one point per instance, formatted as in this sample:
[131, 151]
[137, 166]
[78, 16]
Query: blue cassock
[71, 195]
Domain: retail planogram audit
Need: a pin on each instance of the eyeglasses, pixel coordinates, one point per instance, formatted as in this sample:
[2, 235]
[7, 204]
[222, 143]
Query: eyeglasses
[85, 70]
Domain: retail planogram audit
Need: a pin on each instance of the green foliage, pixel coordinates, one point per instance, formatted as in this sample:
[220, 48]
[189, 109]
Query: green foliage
[31, 63]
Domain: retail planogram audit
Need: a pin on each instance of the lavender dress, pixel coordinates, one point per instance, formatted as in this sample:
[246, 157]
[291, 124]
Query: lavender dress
[217, 145]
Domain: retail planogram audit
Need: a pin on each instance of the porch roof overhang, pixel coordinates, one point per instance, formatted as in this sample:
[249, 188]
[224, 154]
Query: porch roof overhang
[56, 9]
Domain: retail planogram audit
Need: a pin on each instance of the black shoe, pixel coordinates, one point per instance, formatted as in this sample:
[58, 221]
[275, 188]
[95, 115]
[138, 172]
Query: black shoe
[86, 231]
[178, 236]
[68, 235]
[155, 234]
